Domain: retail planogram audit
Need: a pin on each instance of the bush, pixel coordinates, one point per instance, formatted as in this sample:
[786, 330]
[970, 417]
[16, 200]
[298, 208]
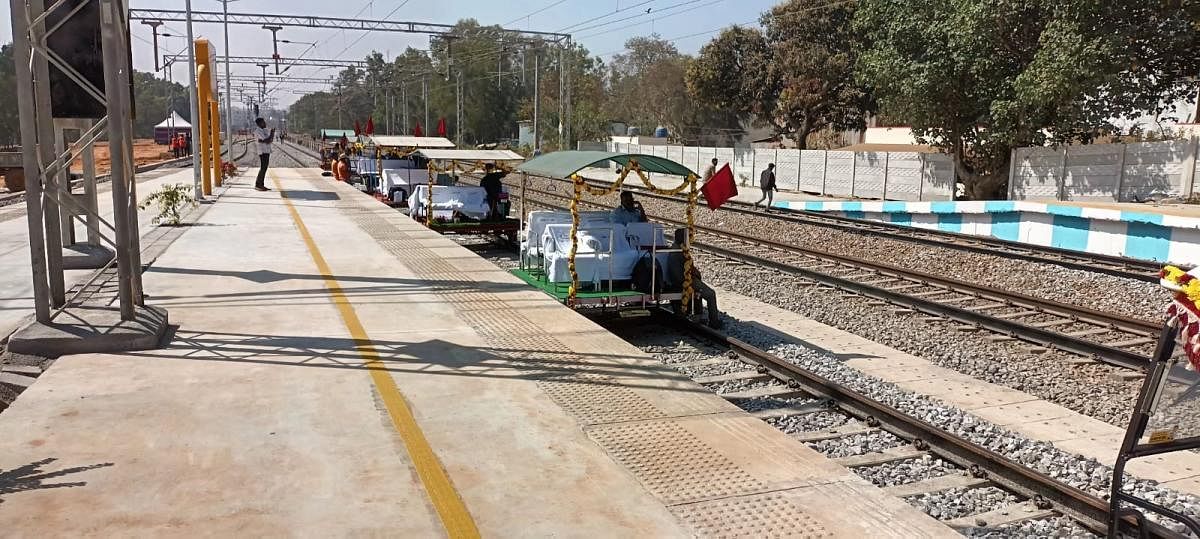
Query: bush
[170, 199]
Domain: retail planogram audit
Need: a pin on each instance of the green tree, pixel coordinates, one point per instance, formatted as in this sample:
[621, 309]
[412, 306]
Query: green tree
[647, 89]
[797, 77]
[981, 78]
[154, 99]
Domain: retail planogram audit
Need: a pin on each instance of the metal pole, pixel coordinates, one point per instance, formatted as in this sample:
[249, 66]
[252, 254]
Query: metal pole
[198, 191]
[404, 105]
[118, 140]
[30, 160]
[537, 135]
[562, 95]
[425, 97]
[228, 92]
[458, 112]
[569, 114]
[45, 127]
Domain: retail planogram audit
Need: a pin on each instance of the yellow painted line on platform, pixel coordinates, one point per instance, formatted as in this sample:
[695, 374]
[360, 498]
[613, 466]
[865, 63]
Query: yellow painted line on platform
[446, 499]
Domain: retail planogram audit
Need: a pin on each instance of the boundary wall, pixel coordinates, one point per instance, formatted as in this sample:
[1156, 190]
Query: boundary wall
[1143, 235]
[1105, 172]
[911, 176]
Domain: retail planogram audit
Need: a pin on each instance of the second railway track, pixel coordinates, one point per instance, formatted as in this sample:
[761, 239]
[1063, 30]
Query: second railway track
[1102, 336]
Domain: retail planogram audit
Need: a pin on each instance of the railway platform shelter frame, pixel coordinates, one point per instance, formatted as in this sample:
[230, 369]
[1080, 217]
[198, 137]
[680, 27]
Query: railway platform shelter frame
[570, 163]
[51, 207]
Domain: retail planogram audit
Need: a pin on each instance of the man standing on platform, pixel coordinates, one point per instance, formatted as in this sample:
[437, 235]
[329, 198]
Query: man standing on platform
[264, 138]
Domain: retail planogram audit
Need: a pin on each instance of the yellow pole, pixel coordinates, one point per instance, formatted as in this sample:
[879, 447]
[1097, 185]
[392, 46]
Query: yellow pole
[202, 95]
[215, 128]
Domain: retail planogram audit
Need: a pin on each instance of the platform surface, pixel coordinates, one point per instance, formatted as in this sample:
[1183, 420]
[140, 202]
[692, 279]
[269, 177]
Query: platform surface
[337, 369]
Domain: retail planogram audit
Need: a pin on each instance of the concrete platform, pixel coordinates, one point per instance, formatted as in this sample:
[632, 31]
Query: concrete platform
[1018, 411]
[338, 369]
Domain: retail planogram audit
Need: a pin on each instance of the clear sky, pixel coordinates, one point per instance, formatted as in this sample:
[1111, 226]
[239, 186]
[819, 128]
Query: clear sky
[690, 23]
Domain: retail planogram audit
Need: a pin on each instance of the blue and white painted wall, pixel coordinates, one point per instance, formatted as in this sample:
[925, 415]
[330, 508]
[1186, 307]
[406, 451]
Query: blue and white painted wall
[1143, 235]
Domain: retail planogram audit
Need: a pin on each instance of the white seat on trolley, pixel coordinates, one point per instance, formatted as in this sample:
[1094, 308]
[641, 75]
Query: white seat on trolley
[603, 253]
[468, 200]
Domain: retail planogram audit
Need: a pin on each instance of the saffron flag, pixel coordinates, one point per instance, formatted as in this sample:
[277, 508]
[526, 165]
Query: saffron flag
[357, 128]
[417, 131]
[441, 130]
[370, 126]
[720, 188]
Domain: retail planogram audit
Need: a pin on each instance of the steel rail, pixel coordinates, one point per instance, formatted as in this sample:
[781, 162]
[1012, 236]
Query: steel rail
[1045, 337]
[1119, 266]
[1088, 510]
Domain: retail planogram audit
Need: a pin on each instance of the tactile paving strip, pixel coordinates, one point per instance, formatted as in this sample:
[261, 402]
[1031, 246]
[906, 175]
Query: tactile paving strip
[672, 463]
[765, 515]
[595, 399]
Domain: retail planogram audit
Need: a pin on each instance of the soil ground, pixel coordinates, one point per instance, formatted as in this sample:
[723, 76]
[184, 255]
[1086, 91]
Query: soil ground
[144, 151]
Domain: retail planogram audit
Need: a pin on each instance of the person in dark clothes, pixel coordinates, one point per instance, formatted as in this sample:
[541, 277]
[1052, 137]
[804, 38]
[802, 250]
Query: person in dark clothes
[766, 182]
[674, 281]
[491, 185]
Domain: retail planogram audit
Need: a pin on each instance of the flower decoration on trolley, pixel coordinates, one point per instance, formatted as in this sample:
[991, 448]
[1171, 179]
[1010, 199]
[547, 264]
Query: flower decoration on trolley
[1184, 311]
[580, 186]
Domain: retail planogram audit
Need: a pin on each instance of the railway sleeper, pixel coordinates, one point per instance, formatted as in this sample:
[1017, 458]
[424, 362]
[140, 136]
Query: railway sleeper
[732, 377]
[786, 411]
[892, 454]
[851, 428]
[936, 484]
[1089, 331]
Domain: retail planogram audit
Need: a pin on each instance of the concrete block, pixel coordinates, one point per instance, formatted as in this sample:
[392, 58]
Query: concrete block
[14, 379]
[86, 256]
[83, 330]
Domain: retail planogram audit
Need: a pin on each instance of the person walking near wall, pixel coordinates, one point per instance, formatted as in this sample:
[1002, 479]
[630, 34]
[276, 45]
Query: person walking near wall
[710, 171]
[264, 138]
[766, 182]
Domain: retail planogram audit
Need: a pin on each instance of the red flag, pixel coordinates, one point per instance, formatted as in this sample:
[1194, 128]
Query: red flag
[357, 128]
[441, 127]
[417, 131]
[370, 126]
[719, 188]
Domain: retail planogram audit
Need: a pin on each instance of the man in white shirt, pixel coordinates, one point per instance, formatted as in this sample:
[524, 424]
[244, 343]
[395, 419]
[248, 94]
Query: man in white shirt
[263, 138]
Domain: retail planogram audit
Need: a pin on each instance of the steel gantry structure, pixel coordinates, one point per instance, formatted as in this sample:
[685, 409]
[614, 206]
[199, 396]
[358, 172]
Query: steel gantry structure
[275, 22]
[258, 60]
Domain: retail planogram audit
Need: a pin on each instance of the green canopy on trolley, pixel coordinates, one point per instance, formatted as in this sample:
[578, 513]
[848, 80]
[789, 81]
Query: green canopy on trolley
[565, 163]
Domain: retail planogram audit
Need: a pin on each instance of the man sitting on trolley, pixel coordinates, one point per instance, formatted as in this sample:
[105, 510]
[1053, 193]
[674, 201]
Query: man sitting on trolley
[674, 281]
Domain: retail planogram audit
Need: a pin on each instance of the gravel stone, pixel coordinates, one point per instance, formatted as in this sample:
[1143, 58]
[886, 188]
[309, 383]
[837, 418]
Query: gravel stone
[809, 422]
[903, 472]
[1047, 527]
[856, 444]
[957, 503]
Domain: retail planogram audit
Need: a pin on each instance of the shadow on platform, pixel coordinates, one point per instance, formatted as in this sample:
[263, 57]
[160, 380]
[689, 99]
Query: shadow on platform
[33, 477]
[432, 356]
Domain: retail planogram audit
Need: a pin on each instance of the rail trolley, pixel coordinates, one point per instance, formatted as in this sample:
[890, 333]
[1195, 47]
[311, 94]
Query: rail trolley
[448, 208]
[585, 259]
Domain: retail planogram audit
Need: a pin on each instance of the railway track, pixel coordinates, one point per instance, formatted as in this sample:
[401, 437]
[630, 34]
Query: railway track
[784, 393]
[1101, 336]
[1119, 266]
